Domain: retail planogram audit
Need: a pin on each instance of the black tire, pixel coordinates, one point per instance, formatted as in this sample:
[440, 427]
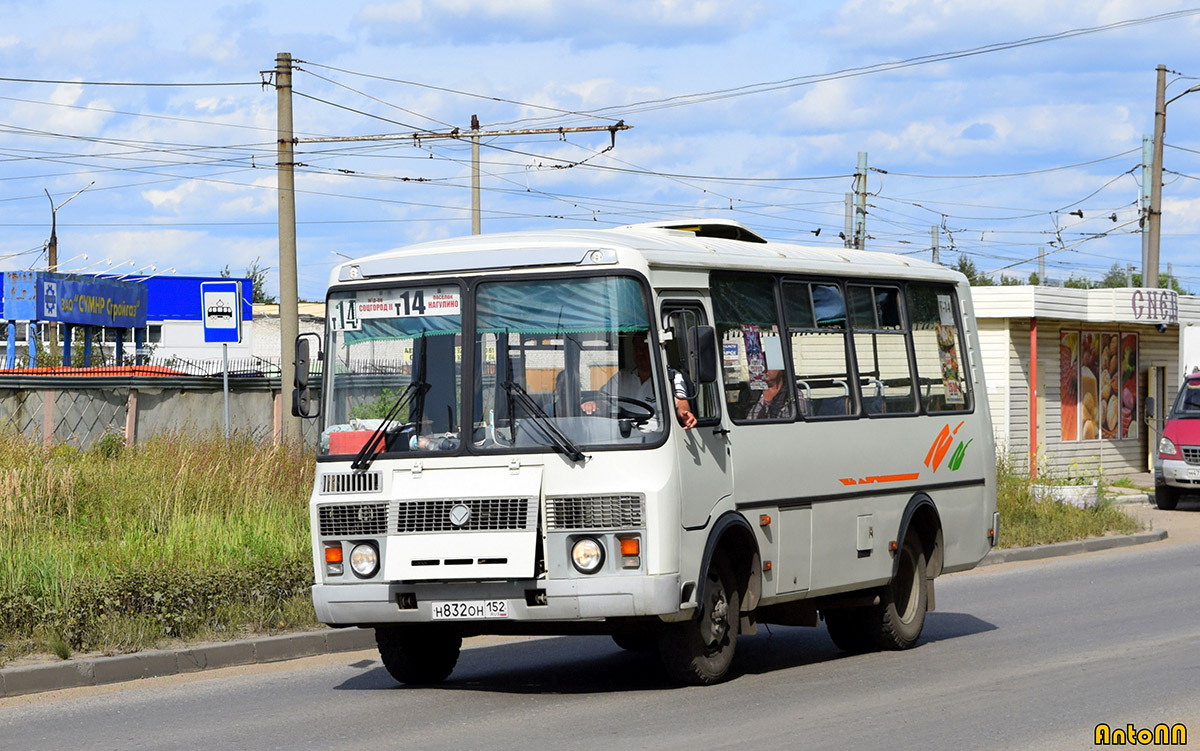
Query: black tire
[700, 651]
[418, 655]
[896, 622]
[1166, 497]
[904, 600]
[637, 641]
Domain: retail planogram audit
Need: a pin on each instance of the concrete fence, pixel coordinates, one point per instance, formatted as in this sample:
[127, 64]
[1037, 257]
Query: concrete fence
[80, 410]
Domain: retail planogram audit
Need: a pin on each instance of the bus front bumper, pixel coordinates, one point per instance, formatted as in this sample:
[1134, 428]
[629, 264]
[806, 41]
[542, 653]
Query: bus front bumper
[565, 599]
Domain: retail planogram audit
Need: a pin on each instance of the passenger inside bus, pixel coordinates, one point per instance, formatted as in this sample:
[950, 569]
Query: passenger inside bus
[774, 402]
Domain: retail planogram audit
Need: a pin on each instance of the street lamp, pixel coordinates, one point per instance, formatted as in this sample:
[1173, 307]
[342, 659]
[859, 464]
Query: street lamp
[52, 256]
[1154, 218]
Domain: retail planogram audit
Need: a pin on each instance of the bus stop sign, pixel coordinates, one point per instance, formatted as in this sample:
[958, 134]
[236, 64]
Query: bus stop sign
[221, 304]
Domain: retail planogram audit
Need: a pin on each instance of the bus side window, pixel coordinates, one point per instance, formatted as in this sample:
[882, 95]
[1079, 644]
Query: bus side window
[938, 343]
[757, 382]
[816, 323]
[881, 347]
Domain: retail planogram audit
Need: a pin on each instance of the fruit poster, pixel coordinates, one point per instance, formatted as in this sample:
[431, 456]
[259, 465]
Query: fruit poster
[1068, 355]
[1129, 386]
[1110, 409]
[1089, 389]
[1099, 385]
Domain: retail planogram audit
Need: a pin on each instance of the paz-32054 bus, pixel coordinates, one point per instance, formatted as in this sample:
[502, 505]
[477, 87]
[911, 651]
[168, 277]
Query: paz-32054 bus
[666, 433]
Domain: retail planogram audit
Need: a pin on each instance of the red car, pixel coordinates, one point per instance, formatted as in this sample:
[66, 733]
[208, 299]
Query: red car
[1178, 468]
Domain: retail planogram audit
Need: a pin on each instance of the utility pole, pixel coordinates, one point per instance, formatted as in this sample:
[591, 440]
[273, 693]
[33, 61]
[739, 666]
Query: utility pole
[1041, 266]
[860, 211]
[1154, 215]
[475, 209]
[1129, 275]
[848, 234]
[933, 231]
[289, 308]
[1144, 198]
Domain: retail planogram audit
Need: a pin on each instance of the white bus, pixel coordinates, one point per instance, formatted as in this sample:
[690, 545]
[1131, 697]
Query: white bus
[502, 445]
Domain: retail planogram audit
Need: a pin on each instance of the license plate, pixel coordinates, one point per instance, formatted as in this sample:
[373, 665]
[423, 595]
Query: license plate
[1193, 474]
[459, 610]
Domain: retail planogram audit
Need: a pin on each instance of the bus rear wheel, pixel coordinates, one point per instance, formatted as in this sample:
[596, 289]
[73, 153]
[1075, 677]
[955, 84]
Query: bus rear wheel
[904, 601]
[418, 655]
[897, 620]
[699, 652]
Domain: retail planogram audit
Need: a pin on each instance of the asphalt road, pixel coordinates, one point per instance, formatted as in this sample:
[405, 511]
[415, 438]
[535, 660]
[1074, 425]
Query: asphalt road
[1029, 655]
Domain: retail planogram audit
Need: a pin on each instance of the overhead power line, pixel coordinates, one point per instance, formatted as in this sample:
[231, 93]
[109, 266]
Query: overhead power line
[164, 84]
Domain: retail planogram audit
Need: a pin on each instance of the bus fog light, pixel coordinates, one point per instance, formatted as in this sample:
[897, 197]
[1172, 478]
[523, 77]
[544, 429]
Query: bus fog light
[588, 555]
[364, 560]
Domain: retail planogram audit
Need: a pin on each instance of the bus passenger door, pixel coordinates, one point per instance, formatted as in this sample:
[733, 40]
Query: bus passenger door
[705, 468]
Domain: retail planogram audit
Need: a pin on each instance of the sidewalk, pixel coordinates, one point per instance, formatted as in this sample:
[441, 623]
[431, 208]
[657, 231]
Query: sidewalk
[1174, 527]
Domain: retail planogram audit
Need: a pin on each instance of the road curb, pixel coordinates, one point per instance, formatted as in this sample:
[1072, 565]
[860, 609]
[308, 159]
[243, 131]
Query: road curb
[1074, 547]
[98, 671]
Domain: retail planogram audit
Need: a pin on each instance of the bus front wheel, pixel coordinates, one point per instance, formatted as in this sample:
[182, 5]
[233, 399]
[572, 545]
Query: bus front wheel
[418, 654]
[698, 652]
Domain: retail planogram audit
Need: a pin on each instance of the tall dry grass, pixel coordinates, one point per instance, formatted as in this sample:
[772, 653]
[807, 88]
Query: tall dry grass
[176, 514]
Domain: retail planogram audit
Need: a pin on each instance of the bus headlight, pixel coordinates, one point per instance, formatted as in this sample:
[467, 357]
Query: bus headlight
[588, 555]
[364, 560]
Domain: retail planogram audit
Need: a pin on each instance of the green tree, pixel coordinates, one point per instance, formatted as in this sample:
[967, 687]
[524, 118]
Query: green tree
[1115, 277]
[257, 274]
[968, 269]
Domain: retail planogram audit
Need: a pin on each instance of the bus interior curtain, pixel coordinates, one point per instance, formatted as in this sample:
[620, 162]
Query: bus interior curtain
[555, 306]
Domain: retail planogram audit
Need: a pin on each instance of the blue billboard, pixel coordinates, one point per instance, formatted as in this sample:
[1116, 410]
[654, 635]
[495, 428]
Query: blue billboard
[90, 301]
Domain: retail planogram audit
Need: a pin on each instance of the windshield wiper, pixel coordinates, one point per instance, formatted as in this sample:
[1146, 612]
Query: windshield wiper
[366, 455]
[561, 442]
[417, 388]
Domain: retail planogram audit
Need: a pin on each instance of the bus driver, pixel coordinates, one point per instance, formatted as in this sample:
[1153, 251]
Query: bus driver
[635, 383]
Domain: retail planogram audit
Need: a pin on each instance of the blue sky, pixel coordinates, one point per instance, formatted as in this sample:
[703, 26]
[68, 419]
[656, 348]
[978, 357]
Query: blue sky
[980, 146]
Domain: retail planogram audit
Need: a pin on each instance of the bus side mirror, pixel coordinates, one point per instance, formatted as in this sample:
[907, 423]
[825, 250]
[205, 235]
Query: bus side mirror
[302, 401]
[702, 354]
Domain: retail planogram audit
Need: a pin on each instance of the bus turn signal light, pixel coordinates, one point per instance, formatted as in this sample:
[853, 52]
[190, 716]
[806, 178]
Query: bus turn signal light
[333, 553]
[630, 546]
[764, 520]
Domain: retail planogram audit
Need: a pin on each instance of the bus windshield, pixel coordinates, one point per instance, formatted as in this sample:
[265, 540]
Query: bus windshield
[564, 358]
[559, 364]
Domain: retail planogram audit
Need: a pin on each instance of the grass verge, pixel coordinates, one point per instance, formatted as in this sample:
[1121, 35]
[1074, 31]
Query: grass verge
[1027, 520]
[116, 549]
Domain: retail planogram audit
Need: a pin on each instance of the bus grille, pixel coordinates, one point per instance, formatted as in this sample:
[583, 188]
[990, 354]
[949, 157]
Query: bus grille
[1191, 454]
[350, 482]
[487, 515]
[352, 519]
[595, 512]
